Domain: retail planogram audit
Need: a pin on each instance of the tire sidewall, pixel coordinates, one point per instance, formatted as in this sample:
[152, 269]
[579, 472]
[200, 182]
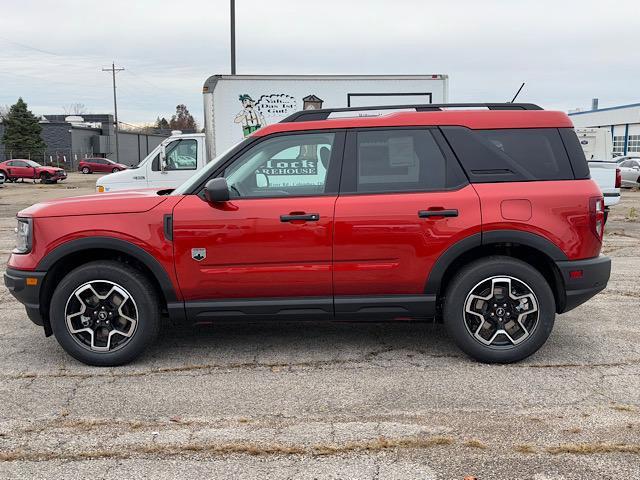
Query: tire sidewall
[86, 170]
[129, 279]
[464, 283]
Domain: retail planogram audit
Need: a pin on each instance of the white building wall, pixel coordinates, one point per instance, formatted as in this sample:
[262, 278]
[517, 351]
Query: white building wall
[624, 122]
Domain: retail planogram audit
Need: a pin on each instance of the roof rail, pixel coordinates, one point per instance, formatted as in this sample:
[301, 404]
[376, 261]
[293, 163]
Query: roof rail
[324, 113]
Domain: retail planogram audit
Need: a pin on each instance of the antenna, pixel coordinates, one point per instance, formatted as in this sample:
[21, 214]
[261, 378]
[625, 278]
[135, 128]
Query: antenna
[517, 93]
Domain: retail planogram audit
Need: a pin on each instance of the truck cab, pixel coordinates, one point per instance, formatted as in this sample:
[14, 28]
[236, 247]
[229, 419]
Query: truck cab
[170, 164]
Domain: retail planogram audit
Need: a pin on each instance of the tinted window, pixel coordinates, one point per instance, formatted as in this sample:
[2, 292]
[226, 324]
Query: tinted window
[282, 166]
[509, 155]
[398, 160]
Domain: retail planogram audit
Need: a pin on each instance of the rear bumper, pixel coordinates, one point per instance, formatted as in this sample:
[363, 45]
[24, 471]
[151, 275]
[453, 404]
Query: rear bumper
[28, 295]
[590, 277]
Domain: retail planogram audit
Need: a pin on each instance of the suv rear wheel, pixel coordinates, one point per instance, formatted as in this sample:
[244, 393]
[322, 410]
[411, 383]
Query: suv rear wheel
[499, 309]
[105, 313]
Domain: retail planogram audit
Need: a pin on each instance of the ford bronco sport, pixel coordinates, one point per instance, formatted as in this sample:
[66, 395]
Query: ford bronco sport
[482, 217]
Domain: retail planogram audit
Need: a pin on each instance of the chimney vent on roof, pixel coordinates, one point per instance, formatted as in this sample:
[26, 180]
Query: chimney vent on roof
[594, 104]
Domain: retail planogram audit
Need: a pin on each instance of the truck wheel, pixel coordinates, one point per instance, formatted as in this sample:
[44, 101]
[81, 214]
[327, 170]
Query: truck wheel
[86, 170]
[499, 309]
[105, 313]
[44, 177]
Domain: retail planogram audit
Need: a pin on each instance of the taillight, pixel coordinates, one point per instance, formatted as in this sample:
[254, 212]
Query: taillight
[596, 216]
[618, 178]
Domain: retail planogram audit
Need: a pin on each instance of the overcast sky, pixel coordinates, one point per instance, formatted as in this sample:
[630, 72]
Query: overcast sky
[52, 52]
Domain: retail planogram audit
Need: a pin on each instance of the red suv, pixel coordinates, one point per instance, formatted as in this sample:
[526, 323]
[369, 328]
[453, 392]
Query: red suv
[21, 169]
[90, 165]
[484, 219]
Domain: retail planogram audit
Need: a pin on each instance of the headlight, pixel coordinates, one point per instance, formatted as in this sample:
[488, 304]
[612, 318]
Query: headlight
[24, 235]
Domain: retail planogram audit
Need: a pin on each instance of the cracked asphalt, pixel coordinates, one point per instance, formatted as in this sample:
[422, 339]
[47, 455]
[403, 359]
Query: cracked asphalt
[328, 400]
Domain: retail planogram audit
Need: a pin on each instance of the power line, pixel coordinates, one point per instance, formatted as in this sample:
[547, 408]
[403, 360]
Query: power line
[113, 71]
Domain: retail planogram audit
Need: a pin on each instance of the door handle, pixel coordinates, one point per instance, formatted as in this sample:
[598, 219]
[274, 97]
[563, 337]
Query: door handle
[453, 212]
[305, 217]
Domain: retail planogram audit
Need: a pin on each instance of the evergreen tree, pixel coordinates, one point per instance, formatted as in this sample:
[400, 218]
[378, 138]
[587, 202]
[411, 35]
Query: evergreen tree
[162, 123]
[22, 131]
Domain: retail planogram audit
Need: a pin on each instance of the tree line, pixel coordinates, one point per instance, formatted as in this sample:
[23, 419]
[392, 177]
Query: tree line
[22, 129]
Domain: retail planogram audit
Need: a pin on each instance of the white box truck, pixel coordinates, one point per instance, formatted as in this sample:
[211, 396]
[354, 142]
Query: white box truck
[237, 105]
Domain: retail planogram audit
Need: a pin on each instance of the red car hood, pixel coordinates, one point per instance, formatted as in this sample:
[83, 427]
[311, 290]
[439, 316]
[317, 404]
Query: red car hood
[133, 201]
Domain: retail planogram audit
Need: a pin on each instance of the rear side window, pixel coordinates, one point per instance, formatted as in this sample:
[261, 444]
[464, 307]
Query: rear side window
[509, 155]
[396, 160]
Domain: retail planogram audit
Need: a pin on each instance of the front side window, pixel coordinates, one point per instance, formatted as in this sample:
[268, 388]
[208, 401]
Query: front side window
[179, 155]
[287, 165]
[399, 160]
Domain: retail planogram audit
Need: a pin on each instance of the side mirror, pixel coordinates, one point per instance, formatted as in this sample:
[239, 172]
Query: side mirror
[216, 190]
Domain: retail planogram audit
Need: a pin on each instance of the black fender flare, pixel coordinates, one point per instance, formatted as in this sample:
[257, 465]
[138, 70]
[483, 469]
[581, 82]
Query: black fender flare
[519, 237]
[115, 244]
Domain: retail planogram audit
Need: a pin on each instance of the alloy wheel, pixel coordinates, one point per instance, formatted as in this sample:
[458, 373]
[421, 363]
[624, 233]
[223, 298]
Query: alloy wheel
[101, 316]
[501, 312]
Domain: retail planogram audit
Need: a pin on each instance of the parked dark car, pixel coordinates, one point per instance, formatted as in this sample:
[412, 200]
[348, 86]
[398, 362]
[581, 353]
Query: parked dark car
[90, 165]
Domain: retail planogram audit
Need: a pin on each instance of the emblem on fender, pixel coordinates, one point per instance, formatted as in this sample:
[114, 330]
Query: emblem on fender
[199, 254]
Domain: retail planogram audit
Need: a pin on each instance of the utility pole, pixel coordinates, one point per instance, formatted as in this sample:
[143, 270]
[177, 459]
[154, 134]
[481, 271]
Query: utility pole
[233, 37]
[113, 71]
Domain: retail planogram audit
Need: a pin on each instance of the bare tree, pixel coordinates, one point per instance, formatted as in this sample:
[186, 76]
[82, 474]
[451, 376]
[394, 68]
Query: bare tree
[4, 111]
[75, 109]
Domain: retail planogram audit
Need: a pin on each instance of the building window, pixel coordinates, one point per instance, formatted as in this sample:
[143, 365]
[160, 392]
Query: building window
[633, 145]
[618, 145]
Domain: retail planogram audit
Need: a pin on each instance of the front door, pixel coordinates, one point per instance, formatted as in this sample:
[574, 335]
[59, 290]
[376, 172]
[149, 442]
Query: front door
[181, 162]
[272, 242]
[403, 201]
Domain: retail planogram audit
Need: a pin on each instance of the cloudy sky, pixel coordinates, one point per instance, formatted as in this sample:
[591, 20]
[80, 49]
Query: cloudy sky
[52, 53]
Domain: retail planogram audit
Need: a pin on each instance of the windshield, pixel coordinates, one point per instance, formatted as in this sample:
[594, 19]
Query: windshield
[204, 173]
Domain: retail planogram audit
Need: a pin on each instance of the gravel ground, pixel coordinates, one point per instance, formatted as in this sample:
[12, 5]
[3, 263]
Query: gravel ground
[328, 400]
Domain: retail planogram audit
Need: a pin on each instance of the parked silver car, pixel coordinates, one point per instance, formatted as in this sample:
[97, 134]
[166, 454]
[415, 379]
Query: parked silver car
[630, 172]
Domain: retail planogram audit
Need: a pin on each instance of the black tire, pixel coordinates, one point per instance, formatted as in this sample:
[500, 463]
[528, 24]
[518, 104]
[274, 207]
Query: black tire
[472, 275]
[141, 291]
[44, 177]
[86, 170]
[115, 170]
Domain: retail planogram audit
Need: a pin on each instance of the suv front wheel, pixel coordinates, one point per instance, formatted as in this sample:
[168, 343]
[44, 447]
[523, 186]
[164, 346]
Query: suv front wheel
[499, 309]
[105, 313]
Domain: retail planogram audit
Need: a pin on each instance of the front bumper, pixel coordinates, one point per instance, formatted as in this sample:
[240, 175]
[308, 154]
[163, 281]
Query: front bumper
[582, 280]
[27, 294]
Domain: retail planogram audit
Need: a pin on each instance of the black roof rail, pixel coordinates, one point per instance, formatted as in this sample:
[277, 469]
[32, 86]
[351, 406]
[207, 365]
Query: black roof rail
[323, 114]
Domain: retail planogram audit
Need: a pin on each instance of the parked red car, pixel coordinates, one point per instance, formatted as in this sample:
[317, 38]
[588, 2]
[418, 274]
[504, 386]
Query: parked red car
[90, 165]
[21, 169]
[483, 219]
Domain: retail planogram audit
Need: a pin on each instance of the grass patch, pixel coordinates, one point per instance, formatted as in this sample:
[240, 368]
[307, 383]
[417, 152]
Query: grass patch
[592, 448]
[173, 450]
[525, 448]
[475, 444]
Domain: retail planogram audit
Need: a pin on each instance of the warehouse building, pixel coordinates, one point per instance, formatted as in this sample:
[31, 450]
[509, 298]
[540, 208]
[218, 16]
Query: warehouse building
[623, 120]
[71, 138]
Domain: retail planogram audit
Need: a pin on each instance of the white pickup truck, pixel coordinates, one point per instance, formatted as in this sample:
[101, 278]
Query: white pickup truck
[597, 145]
[607, 176]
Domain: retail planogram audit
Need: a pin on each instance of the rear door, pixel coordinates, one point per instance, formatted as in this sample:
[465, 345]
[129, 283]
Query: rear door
[403, 201]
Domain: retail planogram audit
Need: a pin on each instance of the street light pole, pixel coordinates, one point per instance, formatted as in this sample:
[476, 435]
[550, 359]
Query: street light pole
[113, 71]
[233, 37]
